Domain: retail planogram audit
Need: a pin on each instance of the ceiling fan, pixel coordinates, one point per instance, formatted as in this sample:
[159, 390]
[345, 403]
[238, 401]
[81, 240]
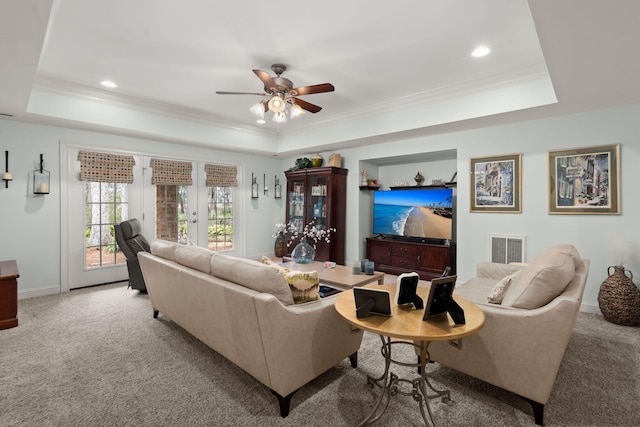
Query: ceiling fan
[280, 93]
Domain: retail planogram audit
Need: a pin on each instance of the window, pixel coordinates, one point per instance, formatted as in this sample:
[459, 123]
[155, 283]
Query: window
[220, 218]
[106, 204]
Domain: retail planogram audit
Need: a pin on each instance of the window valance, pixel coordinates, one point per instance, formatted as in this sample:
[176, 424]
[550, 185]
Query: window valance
[221, 176]
[106, 167]
[170, 172]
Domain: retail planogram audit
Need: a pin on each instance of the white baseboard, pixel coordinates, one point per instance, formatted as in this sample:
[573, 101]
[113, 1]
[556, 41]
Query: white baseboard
[590, 308]
[38, 293]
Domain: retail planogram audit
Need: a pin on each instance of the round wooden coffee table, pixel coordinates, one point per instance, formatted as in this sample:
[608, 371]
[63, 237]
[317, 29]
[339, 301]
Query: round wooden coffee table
[406, 327]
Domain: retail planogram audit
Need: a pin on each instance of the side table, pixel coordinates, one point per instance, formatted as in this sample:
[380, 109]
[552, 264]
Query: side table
[407, 327]
[8, 294]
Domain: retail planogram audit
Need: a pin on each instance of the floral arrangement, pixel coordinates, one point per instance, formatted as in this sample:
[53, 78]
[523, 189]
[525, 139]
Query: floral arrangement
[280, 229]
[310, 232]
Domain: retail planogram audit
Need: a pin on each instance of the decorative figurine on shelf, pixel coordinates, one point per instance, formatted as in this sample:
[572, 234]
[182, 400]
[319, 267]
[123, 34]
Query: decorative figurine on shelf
[364, 179]
[317, 160]
[419, 179]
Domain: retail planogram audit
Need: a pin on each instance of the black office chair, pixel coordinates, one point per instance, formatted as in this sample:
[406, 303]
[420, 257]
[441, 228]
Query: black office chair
[131, 242]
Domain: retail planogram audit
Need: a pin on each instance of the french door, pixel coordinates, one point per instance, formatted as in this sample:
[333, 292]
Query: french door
[196, 214]
[90, 210]
[193, 214]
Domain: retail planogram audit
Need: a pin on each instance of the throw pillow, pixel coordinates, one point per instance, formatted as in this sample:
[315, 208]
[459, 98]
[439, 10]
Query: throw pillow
[304, 285]
[267, 261]
[543, 279]
[497, 293]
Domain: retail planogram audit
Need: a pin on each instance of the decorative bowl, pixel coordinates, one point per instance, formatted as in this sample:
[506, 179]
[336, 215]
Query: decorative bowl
[329, 264]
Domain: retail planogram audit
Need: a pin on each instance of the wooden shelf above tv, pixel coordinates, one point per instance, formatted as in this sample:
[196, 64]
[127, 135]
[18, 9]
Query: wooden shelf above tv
[417, 187]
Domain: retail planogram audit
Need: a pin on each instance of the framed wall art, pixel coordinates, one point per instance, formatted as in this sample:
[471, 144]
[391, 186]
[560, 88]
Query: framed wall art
[277, 188]
[496, 184]
[585, 180]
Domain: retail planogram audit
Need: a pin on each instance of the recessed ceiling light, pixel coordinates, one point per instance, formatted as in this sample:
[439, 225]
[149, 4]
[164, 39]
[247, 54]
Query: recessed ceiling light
[480, 51]
[109, 84]
[260, 121]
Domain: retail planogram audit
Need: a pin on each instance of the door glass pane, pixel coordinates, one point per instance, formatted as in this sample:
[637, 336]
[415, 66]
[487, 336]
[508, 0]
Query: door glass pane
[106, 204]
[220, 218]
[172, 208]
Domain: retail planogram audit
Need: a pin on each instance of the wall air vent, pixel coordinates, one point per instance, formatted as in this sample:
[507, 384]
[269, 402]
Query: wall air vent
[505, 249]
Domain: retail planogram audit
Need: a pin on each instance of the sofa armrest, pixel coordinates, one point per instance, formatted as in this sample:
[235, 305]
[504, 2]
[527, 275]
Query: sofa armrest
[519, 350]
[302, 341]
[494, 270]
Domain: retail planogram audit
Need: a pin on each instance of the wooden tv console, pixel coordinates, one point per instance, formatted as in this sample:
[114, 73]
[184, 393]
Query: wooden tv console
[395, 256]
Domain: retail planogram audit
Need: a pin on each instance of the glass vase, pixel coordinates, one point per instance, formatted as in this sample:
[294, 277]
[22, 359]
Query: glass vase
[303, 253]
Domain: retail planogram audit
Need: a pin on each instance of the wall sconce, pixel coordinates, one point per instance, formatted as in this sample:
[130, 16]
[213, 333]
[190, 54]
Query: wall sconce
[6, 176]
[41, 179]
[265, 190]
[277, 189]
[254, 187]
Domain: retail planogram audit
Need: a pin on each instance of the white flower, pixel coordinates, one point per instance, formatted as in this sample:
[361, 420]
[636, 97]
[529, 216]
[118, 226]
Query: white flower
[310, 232]
[280, 229]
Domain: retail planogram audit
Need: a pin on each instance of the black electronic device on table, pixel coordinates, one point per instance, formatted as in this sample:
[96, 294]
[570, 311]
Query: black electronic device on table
[371, 301]
[440, 300]
[325, 291]
[406, 290]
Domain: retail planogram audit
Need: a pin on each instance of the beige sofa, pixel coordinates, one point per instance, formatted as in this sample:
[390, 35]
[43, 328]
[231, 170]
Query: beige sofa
[522, 344]
[244, 310]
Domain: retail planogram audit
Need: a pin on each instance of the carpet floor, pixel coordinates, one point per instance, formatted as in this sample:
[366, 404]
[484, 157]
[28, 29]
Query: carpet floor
[97, 357]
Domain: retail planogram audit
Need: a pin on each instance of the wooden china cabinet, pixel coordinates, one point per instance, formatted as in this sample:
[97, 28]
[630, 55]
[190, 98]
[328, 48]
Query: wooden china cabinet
[318, 195]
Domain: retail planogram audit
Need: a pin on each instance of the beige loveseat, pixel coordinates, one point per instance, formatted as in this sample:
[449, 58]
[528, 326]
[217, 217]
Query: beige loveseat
[523, 341]
[244, 310]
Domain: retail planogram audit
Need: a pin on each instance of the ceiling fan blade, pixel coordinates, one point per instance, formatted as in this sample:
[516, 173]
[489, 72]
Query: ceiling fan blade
[266, 79]
[312, 108]
[320, 88]
[221, 92]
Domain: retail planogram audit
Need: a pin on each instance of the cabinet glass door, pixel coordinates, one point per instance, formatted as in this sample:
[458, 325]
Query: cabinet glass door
[296, 195]
[318, 201]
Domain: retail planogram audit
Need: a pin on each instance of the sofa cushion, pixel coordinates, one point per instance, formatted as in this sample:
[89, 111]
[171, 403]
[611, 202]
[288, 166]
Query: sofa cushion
[543, 279]
[194, 257]
[304, 285]
[251, 274]
[164, 249]
[497, 293]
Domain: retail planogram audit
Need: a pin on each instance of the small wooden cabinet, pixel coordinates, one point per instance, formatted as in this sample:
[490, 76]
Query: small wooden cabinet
[396, 257]
[8, 294]
[318, 195]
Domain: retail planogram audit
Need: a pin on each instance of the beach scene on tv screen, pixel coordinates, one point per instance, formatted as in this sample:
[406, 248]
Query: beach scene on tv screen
[414, 213]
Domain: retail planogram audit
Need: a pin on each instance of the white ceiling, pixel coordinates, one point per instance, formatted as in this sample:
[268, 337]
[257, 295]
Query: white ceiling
[401, 68]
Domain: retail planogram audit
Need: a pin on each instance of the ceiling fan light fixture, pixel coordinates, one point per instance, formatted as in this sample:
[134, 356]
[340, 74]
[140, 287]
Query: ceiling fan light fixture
[276, 104]
[296, 111]
[258, 109]
[280, 117]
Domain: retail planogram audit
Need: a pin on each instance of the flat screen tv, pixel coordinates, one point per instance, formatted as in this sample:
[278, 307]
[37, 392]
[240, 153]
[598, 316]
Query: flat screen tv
[424, 213]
